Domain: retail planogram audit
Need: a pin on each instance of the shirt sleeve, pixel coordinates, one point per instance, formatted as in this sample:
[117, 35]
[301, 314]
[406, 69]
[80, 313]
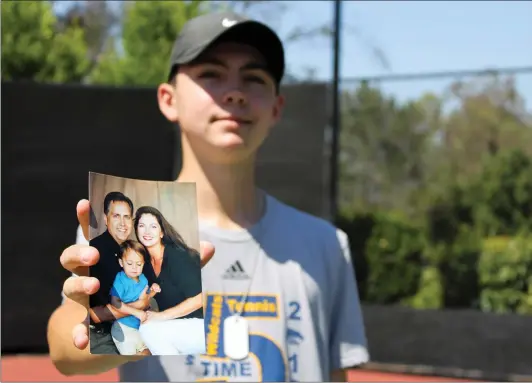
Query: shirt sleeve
[117, 290]
[348, 344]
[189, 274]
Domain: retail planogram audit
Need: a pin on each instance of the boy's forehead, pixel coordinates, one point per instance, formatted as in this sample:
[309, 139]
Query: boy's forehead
[130, 253]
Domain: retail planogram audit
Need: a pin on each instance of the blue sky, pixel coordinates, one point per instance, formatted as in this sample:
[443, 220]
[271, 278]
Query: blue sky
[418, 36]
[415, 36]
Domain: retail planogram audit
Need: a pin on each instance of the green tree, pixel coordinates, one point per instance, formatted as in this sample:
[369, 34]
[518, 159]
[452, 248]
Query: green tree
[490, 117]
[406, 156]
[383, 146]
[100, 20]
[148, 33]
[34, 47]
[504, 194]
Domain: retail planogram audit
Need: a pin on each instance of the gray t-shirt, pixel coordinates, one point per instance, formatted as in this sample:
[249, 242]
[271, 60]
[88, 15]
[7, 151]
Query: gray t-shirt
[302, 308]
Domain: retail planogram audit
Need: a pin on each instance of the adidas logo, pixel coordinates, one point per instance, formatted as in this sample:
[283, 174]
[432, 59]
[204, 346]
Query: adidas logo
[236, 271]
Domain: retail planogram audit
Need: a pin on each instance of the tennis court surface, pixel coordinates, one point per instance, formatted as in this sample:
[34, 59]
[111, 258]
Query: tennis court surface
[39, 368]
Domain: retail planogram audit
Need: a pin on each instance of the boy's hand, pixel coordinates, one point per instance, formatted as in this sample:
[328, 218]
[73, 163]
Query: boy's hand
[153, 316]
[78, 258]
[154, 289]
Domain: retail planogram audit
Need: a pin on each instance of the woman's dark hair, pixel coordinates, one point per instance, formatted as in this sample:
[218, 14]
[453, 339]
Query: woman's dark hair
[170, 235]
[136, 246]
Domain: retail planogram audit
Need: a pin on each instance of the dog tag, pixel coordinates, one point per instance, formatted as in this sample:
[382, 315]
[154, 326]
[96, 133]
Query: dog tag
[236, 337]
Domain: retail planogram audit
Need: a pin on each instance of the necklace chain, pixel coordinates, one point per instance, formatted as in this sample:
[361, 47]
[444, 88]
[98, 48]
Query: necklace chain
[245, 296]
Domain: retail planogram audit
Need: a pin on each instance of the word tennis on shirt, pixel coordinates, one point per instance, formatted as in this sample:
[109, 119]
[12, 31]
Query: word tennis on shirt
[221, 306]
[259, 308]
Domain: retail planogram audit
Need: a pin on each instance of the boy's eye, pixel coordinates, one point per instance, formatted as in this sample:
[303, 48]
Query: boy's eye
[256, 79]
[208, 74]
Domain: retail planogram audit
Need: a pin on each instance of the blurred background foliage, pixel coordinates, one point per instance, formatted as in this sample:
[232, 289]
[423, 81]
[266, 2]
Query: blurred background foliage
[435, 192]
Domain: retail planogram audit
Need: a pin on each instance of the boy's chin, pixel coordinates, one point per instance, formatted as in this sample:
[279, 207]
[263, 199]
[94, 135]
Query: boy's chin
[230, 141]
[234, 147]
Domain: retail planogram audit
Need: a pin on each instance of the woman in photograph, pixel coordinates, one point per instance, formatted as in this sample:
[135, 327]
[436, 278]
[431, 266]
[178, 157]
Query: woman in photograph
[177, 327]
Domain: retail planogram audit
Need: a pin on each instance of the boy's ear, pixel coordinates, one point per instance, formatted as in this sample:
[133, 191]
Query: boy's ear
[278, 108]
[120, 262]
[166, 100]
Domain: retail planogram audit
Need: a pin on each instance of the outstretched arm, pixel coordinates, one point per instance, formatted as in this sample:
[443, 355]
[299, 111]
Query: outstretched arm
[184, 308]
[127, 309]
[68, 334]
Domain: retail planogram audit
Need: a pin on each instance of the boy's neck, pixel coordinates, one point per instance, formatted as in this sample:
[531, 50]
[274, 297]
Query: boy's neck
[227, 196]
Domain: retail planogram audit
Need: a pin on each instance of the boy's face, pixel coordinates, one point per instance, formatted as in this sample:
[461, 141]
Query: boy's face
[132, 263]
[225, 102]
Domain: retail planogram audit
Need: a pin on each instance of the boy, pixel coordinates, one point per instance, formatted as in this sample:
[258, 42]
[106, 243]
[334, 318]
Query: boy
[128, 286]
[293, 314]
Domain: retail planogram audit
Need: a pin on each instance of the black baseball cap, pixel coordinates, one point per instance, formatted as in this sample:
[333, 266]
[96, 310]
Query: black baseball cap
[202, 32]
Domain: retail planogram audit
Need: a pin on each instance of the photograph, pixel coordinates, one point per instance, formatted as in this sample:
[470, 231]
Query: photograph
[150, 299]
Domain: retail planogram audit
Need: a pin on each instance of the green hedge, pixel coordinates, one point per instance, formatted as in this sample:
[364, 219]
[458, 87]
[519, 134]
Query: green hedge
[457, 256]
[505, 271]
[387, 255]
[394, 255]
[397, 263]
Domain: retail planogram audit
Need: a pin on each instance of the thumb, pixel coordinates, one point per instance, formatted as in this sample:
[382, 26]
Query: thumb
[83, 213]
[206, 252]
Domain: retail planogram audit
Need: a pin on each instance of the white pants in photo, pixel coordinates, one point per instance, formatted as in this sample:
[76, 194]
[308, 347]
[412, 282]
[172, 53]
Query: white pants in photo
[174, 336]
[127, 339]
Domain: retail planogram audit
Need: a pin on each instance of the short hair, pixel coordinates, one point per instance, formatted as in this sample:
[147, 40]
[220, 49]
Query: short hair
[136, 246]
[115, 196]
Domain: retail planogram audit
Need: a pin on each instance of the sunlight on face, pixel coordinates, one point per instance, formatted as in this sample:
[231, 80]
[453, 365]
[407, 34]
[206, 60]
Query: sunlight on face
[226, 102]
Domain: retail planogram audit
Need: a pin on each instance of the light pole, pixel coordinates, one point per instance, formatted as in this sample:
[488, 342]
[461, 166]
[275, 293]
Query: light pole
[335, 120]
